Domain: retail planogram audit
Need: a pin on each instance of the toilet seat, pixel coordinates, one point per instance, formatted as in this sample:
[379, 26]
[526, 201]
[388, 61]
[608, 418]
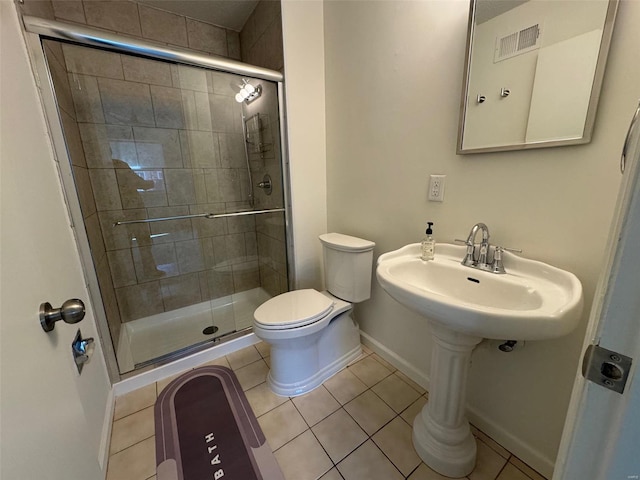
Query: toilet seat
[293, 309]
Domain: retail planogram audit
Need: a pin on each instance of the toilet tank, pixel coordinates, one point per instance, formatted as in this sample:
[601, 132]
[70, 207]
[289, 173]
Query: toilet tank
[347, 266]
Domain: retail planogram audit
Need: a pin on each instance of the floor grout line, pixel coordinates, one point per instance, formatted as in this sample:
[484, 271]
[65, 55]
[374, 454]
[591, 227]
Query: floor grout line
[334, 465]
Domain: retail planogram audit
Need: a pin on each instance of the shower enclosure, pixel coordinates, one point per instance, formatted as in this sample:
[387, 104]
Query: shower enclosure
[181, 188]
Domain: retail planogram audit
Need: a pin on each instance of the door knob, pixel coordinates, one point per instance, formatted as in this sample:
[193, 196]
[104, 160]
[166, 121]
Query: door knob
[71, 311]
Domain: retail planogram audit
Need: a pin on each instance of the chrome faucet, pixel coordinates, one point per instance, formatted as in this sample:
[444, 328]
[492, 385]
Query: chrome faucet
[483, 249]
[469, 258]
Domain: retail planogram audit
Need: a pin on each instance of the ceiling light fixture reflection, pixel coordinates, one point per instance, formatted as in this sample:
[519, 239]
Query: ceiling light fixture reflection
[248, 93]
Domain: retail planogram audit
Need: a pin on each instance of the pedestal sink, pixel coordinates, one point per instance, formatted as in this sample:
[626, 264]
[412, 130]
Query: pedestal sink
[463, 305]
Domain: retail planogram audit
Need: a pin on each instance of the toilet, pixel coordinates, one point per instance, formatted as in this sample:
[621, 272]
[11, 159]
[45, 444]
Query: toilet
[313, 334]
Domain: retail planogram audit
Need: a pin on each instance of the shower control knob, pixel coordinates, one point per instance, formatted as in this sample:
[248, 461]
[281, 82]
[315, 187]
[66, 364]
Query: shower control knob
[71, 311]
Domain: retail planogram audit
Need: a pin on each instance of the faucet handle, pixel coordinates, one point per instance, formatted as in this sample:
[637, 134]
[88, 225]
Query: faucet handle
[508, 249]
[458, 240]
[497, 266]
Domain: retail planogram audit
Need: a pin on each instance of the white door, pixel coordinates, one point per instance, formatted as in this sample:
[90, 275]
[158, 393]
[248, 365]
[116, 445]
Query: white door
[51, 417]
[602, 432]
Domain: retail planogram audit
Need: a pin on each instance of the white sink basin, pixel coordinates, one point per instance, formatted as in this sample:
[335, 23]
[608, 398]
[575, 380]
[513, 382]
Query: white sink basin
[532, 301]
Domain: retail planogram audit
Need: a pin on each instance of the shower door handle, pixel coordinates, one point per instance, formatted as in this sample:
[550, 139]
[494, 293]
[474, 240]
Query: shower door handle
[71, 311]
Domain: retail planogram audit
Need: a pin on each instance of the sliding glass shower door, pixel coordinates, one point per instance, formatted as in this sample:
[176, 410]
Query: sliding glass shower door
[181, 191]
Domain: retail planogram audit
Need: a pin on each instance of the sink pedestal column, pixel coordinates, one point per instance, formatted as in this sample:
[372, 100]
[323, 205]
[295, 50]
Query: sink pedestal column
[441, 433]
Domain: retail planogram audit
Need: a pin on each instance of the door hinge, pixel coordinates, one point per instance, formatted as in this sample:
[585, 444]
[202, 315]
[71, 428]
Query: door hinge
[606, 368]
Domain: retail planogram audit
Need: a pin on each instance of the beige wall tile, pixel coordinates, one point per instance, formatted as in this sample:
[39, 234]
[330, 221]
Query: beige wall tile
[103, 143]
[170, 230]
[219, 283]
[180, 291]
[233, 45]
[73, 140]
[139, 301]
[85, 191]
[94, 234]
[180, 186]
[226, 114]
[206, 37]
[202, 150]
[265, 13]
[246, 276]
[155, 262]
[163, 26]
[148, 71]
[191, 78]
[105, 189]
[86, 98]
[124, 236]
[72, 10]
[116, 15]
[109, 300]
[90, 61]
[126, 103]
[158, 147]
[137, 192]
[37, 8]
[167, 107]
[121, 266]
[190, 255]
[59, 77]
[231, 150]
[230, 185]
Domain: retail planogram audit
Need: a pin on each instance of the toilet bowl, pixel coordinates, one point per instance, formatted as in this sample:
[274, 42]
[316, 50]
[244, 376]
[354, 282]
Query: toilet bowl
[313, 334]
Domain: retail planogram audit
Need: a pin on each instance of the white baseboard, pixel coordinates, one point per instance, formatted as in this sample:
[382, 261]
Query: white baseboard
[504, 437]
[396, 360]
[105, 437]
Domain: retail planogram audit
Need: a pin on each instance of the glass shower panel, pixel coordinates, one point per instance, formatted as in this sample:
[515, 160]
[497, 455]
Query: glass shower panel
[157, 149]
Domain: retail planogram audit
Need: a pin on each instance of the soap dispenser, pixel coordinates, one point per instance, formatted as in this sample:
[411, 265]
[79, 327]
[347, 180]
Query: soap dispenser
[428, 244]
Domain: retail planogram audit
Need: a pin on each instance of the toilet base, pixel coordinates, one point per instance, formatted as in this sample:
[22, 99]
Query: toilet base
[305, 386]
[298, 365]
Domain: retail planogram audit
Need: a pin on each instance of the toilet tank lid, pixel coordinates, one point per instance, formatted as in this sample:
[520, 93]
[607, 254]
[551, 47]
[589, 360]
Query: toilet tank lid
[346, 243]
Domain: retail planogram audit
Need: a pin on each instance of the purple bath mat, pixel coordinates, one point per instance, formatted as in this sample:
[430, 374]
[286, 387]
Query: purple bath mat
[206, 430]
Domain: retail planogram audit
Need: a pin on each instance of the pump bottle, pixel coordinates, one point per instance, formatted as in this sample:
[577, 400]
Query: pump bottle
[428, 244]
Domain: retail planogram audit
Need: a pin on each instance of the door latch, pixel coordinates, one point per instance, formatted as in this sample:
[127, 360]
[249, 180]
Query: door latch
[606, 367]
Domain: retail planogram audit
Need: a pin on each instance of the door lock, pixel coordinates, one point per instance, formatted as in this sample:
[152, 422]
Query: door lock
[606, 368]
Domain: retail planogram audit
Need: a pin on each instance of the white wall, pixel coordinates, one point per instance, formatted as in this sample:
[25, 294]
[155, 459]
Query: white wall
[303, 43]
[393, 78]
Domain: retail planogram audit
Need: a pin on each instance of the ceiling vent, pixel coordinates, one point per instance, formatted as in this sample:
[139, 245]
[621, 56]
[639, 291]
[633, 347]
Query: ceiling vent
[518, 43]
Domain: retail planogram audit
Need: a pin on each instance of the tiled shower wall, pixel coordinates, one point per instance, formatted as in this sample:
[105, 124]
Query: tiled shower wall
[146, 269]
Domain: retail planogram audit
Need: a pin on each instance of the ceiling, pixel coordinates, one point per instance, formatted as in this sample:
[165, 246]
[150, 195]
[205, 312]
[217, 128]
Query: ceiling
[231, 14]
[488, 9]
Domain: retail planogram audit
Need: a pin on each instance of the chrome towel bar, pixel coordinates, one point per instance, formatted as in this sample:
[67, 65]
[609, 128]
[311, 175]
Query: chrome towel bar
[200, 215]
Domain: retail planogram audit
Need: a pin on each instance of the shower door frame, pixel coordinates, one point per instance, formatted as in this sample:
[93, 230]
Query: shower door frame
[37, 30]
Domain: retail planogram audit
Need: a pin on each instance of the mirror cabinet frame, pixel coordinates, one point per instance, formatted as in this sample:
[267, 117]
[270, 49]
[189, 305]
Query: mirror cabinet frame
[596, 88]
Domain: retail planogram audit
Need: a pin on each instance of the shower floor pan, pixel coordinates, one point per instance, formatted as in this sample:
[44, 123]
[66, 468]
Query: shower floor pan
[156, 336]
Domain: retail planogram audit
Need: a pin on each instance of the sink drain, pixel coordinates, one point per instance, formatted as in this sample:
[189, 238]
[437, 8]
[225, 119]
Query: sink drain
[210, 330]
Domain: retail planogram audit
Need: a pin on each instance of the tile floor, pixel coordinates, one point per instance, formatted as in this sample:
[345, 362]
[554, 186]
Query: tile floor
[357, 426]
